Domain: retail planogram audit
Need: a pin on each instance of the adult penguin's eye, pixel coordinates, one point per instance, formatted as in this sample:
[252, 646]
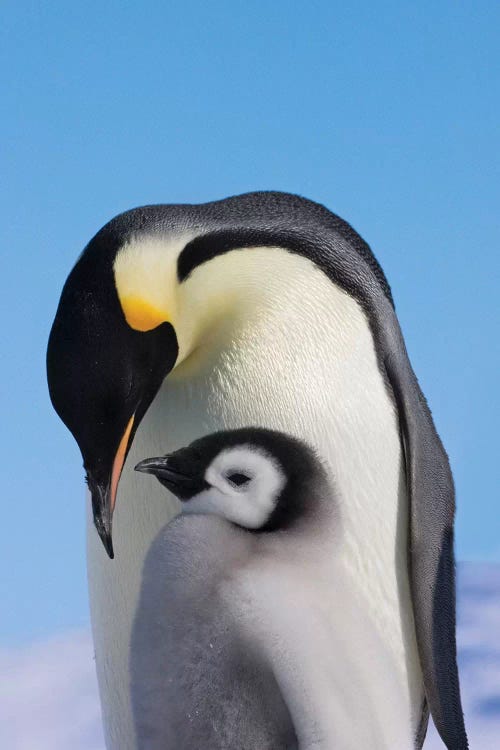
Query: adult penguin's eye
[238, 479]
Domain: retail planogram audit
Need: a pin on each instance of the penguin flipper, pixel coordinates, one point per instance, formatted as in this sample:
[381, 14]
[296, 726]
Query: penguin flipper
[431, 556]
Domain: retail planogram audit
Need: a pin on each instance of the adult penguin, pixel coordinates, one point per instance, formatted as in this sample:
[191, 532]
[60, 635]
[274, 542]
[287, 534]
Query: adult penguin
[264, 309]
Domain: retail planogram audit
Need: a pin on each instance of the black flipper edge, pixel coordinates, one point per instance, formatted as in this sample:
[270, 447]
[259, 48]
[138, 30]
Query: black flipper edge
[431, 556]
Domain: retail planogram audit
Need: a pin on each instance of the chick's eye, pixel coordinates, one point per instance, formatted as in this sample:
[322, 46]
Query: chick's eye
[238, 479]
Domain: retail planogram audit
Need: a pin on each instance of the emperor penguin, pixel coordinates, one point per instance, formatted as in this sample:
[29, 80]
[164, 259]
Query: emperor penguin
[264, 309]
[230, 588]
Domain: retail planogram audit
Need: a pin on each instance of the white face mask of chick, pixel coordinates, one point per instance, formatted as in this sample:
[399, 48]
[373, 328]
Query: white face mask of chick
[243, 486]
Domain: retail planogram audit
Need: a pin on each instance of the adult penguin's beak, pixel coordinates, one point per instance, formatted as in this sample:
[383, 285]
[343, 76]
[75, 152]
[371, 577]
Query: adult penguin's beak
[103, 516]
[104, 493]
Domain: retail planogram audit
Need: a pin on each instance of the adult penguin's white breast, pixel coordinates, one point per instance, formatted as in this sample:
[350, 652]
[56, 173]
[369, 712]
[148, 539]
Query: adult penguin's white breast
[298, 355]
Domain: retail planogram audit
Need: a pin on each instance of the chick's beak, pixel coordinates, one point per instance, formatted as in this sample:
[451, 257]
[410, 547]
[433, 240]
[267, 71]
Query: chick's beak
[163, 470]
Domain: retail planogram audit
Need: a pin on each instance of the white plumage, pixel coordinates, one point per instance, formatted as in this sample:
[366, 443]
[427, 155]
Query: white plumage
[295, 353]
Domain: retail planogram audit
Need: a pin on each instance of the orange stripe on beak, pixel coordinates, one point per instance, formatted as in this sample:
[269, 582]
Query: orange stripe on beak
[119, 461]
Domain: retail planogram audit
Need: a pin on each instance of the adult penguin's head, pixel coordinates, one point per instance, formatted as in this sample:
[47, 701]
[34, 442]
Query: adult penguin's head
[106, 360]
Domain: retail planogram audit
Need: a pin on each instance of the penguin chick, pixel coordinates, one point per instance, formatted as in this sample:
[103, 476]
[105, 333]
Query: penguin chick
[261, 480]
[240, 635]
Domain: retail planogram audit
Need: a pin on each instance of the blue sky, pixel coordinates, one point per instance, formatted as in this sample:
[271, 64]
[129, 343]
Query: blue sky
[387, 113]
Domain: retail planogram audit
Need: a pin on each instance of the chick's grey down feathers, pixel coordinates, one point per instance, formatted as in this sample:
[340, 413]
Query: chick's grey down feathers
[199, 683]
[200, 677]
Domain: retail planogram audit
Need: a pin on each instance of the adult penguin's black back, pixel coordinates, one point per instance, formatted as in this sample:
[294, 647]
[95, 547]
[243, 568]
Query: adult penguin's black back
[99, 312]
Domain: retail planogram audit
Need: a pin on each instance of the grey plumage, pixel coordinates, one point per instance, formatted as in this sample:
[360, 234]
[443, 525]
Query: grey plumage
[196, 681]
[200, 676]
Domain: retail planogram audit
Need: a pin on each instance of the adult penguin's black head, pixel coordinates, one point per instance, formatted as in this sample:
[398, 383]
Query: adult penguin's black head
[103, 373]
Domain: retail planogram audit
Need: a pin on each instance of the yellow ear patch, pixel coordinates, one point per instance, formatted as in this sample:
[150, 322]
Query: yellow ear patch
[141, 315]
